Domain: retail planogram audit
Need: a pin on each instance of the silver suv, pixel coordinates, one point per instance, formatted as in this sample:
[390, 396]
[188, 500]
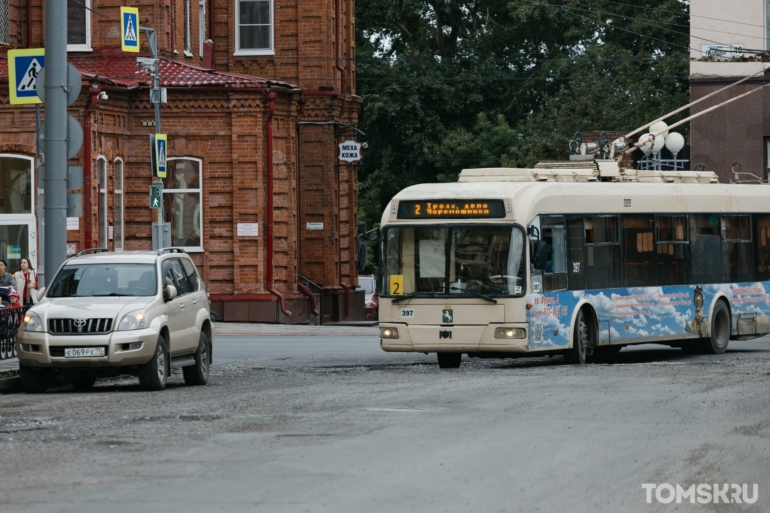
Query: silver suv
[108, 314]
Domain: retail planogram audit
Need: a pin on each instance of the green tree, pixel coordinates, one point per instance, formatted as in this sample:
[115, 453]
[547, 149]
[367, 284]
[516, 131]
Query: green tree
[454, 84]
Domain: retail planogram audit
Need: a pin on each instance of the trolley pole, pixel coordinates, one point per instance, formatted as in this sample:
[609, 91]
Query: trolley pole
[55, 135]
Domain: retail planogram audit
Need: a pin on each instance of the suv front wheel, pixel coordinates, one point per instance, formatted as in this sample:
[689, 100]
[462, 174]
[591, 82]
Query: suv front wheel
[153, 374]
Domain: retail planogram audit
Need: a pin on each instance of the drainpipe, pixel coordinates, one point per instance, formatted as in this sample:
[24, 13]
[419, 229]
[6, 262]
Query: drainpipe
[173, 34]
[93, 92]
[339, 249]
[337, 64]
[29, 23]
[270, 97]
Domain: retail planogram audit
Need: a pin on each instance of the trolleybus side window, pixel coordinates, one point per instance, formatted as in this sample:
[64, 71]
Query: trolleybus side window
[575, 266]
[639, 250]
[554, 234]
[673, 250]
[706, 249]
[762, 244]
[737, 248]
[602, 252]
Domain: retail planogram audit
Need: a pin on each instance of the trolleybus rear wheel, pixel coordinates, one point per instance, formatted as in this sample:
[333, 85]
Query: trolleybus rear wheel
[582, 338]
[449, 360]
[720, 330]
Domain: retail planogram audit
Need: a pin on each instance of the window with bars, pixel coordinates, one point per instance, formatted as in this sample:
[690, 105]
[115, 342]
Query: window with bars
[5, 22]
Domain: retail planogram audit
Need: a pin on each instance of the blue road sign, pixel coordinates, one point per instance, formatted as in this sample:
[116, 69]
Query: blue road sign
[129, 25]
[23, 69]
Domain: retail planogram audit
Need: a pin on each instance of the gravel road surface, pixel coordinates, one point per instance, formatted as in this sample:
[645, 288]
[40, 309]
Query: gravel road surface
[318, 419]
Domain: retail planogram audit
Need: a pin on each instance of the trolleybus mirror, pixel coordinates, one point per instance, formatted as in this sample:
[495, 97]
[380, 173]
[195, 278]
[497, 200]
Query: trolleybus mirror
[539, 252]
[361, 257]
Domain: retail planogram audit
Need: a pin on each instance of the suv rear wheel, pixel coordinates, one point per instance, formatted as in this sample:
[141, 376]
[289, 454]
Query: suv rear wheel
[198, 374]
[153, 374]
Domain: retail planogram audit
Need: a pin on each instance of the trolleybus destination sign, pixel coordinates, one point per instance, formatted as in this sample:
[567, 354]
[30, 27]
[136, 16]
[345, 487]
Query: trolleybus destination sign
[452, 209]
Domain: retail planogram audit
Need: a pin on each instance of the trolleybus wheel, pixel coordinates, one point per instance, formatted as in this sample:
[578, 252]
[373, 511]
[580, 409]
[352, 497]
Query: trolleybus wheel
[449, 360]
[581, 339]
[720, 331]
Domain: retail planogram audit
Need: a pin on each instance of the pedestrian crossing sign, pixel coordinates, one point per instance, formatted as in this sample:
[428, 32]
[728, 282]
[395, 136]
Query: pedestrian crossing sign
[129, 29]
[160, 144]
[24, 65]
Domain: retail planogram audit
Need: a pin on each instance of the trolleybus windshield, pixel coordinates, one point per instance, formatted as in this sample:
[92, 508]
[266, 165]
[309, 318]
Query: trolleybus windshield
[459, 260]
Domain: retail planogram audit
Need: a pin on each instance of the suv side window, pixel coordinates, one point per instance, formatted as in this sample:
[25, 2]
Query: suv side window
[173, 274]
[192, 276]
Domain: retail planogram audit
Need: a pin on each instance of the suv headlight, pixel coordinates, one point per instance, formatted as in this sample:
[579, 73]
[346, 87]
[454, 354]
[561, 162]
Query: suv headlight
[32, 322]
[132, 321]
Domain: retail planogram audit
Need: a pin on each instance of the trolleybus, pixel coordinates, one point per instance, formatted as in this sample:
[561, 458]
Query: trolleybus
[575, 259]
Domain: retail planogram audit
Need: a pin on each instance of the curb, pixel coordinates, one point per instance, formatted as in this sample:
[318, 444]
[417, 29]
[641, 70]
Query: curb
[8, 385]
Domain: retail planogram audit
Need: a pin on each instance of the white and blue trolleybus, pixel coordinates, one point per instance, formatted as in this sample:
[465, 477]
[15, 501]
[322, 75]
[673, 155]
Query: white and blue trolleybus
[573, 258]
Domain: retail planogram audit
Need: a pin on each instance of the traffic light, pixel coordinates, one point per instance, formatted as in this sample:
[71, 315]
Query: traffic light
[155, 193]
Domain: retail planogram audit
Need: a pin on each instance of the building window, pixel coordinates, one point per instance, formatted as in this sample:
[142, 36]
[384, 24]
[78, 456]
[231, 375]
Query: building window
[101, 177]
[78, 25]
[187, 44]
[201, 25]
[15, 185]
[254, 27]
[182, 201]
[119, 205]
[5, 22]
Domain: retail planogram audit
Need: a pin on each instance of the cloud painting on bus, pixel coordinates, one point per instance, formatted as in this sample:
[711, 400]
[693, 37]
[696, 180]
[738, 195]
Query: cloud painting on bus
[639, 313]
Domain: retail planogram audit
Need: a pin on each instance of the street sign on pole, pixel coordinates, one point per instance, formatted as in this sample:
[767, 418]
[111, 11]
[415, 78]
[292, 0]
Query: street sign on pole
[155, 193]
[74, 137]
[24, 66]
[159, 149]
[129, 29]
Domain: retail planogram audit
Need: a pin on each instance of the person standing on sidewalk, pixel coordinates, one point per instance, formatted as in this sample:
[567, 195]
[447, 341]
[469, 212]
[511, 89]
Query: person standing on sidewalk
[26, 283]
[6, 278]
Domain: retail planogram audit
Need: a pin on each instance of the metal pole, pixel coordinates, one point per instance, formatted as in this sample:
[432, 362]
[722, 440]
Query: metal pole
[155, 95]
[55, 134]
[40, 220]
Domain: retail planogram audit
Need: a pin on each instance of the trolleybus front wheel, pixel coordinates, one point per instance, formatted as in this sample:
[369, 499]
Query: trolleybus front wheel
[582, 339]
[449, 360]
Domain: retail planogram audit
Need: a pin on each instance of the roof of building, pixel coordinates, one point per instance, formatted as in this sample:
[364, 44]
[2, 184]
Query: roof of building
[122, 70]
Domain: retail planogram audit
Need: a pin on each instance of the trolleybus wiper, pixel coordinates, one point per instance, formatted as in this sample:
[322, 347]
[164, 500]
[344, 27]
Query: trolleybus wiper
[405, 296]
[472, 293]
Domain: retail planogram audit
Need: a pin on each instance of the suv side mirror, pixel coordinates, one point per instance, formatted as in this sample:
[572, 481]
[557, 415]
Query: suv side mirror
[169, 292]
[41, 294]
[538, 254]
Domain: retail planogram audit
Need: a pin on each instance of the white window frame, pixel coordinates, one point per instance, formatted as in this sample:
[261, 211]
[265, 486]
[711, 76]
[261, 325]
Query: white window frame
[119, 210]
[199, 190]
[5, 23]
[101, 169]
[187, 29]
[250, 51]
[31, 215]
[87, 46]
[201, 25]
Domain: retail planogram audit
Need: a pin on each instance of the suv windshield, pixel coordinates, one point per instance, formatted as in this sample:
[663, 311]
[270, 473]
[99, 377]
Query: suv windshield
[80, 280]
[453, 260]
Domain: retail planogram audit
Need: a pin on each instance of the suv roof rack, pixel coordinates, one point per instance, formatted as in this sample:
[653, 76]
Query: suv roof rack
[171, 250]
[93, 250]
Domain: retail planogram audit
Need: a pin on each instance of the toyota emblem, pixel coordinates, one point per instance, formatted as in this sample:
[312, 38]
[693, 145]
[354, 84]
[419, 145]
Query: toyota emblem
[79, 323]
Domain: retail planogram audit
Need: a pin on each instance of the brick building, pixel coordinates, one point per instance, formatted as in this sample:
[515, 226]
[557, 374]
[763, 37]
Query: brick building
[260, 94]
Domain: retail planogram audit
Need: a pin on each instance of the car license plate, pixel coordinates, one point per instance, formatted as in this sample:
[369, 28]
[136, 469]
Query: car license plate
[83, 352]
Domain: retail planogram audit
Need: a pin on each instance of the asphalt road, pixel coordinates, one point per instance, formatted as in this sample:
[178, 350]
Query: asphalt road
[318, 419]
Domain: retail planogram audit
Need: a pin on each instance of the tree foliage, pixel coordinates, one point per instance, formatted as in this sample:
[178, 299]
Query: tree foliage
[452, 84]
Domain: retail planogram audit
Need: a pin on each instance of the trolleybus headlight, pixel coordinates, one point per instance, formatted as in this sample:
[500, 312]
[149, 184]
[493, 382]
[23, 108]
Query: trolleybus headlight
[510, 333]
[388, 332]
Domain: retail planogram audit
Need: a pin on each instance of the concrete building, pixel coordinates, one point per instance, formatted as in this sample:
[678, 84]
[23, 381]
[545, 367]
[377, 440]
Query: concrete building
[260, 95]
[726, 40]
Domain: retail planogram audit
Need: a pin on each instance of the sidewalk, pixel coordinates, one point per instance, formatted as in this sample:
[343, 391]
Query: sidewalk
[9, 365]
